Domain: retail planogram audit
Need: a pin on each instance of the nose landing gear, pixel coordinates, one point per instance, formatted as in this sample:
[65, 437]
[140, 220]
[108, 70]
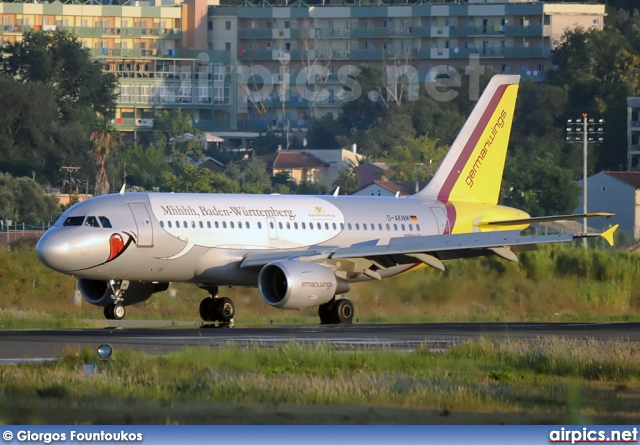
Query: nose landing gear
[116, 311]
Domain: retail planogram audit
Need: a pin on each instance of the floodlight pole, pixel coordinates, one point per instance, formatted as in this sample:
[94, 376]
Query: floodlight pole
[584, 176]
[70, 170]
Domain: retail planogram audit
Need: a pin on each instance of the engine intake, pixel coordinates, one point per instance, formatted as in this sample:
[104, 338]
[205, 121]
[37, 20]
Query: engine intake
[98, 292]
[297, 285]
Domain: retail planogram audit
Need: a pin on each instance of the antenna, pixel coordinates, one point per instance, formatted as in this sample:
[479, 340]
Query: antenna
[335, 194]
[398, 194]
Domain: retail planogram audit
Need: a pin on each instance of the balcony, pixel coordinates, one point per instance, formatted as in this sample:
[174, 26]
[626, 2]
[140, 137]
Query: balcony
[131, 53]
[263, 33]
[372, 33]
[464, 31]
[535, 52]
[332, 33]
[130, 123]
[523, 31]
[15, 29]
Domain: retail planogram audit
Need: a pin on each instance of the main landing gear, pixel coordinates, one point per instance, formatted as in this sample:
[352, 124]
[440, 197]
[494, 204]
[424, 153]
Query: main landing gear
[217, 309]
[336, 312]
[116, 311]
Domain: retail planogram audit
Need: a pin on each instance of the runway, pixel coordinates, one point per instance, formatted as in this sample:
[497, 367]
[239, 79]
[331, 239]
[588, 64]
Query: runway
[48, 344]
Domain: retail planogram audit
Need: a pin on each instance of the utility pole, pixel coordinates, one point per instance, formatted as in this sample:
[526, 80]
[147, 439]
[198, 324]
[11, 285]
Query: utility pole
[580, 131]
[71, 170]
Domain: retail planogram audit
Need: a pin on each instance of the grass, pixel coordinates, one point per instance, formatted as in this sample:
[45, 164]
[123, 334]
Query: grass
[555, 283]
[511, 381]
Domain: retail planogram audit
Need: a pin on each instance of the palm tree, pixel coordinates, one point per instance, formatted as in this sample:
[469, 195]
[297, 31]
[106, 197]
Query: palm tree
[104, 138]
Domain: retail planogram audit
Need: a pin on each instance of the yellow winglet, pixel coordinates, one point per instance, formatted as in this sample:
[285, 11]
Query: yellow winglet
[608, 234]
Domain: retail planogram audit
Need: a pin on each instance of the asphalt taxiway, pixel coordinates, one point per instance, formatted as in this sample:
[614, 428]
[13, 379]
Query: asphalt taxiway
[47, 344]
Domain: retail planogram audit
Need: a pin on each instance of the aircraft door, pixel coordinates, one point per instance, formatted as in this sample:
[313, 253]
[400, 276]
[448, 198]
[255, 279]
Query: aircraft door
[271, 227]
[143, 223]
[441, 219]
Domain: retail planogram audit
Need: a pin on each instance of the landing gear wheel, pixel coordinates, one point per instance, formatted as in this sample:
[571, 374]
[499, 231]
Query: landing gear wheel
[118, 311]
[343, 311]
[108, 312]
[324, 312]
[224, 309]
[206, 311]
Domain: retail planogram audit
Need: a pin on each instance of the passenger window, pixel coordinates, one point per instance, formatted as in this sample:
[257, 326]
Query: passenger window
[304, 226]
[177, 224]
[379, 226]
[169, 224]
[184, 224]
[162, 224]
[349, 226]
[201, 224]
[402, 227]
[231, 224]
[271, 225]
[418, 225]
[259, 225]
[208, 224]
[193, 224]
[224, 224]
[216, 224]
[105, 222]
[288, 226]
[373, 226]
[91, 221]
[388, 227]
[318, 226]
[341, 226]
[73, 221]
[239, 224]
[295, 225]
[334, 226]
[311, 226]
[357, 226]
[364, 227]
[410, 227]
[395, 227]
[326, 226]
[248, 225]
[280, 225]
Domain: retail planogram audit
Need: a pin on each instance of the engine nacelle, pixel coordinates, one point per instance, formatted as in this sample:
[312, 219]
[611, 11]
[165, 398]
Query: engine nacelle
[98, 292]
[298, 285]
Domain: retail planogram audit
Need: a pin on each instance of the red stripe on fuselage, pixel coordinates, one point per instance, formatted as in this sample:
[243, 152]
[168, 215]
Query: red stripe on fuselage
[454, 174]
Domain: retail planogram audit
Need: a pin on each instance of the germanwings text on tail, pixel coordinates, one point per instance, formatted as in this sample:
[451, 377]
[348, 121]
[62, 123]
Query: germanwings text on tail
[299, 251]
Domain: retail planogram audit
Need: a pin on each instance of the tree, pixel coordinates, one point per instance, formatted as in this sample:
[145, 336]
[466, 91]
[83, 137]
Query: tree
[174, 131]
[57, 60]
[144, 165]
[104, 138]
[192, 179]
[22, 199]
[347, 180]
[415, 159]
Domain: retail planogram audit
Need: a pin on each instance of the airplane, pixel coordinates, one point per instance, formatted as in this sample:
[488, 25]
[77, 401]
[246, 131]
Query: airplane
[299, 251]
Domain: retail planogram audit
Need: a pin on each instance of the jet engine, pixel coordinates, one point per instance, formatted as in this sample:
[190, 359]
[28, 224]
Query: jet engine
[98, 292]
[299, 285]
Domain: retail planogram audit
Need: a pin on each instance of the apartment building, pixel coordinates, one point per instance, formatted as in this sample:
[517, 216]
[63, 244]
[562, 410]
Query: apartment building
[239, 70]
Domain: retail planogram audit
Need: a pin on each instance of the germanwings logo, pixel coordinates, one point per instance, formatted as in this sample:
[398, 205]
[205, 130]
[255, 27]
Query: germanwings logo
[499, 124]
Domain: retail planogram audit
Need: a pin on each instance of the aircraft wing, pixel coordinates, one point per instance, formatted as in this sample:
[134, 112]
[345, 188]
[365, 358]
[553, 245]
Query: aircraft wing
[427, 249]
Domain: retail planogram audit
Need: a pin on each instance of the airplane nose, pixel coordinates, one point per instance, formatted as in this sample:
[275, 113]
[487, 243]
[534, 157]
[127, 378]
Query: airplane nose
[53, 251]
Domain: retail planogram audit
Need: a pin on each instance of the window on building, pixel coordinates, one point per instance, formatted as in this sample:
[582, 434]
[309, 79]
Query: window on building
[209, 25]
[227, 25]
[227, 46]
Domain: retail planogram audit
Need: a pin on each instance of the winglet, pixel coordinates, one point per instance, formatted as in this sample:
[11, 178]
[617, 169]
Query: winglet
[122, 189]
[608, 234]
[335, 194]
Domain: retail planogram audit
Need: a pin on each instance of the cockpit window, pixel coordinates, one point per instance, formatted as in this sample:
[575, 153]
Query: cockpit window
[91, 221]
[73, 221]
[105, 222]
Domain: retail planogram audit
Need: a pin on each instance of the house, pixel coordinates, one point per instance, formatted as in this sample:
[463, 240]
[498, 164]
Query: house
[300, 165]
[390, 188]
[368, 172]
[212, 164]
[615, 192]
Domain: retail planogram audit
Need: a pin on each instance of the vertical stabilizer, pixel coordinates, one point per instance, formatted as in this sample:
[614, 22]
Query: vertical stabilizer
[472, 169]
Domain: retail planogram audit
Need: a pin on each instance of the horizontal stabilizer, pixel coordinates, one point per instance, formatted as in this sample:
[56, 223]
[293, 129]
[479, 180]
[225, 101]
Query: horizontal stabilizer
[539, 219]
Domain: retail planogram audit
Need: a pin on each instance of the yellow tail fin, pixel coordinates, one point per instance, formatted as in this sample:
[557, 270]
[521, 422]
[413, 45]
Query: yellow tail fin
[472, 169]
